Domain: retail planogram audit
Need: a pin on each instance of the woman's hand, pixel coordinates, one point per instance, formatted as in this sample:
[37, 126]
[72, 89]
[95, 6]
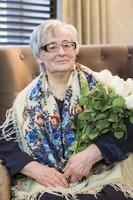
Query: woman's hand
[80, 164]
[44, 175]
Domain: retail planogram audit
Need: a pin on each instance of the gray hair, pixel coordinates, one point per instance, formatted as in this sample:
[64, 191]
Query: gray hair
[48, 29]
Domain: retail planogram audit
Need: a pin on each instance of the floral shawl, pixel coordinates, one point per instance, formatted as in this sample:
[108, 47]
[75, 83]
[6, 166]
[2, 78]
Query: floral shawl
[40, 130]
[45, 135]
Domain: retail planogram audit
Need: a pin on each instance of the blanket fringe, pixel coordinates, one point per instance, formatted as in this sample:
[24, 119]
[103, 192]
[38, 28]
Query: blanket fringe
[123, 187]
[7, 128]
[117, 184]
[37, 195]
[72, 192]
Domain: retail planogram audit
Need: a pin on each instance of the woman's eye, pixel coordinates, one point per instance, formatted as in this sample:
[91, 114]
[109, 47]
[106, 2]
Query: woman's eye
[53, 47]
[66, 45]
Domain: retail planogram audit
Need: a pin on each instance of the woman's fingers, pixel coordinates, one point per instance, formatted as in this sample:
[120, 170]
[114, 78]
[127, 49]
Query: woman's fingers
[55, 178]
[77, 167]
[67, 173]
[60, 179]
[75, 179]
[44, 175]
[50, 177]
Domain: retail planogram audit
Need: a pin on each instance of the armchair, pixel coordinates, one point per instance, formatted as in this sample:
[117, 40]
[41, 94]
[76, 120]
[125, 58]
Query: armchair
[18, 67]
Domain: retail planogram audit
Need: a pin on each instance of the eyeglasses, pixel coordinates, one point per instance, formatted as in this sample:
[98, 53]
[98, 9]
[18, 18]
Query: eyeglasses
[53, 47]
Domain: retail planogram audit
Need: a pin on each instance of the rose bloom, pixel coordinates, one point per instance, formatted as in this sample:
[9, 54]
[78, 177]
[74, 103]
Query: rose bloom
[129, 83]
[104, 77]
[121, 87]
[129, 101]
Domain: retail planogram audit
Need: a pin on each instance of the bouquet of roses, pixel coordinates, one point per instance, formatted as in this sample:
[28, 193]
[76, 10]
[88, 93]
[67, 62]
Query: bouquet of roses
[105, 108]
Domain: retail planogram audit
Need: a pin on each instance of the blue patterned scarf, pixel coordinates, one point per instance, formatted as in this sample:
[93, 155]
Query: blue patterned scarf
[42, 132]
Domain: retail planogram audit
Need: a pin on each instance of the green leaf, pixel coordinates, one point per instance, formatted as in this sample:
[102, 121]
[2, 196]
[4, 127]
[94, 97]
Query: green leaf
[84, 115]
[73, 125]
[121, 125]
[98, 105]
[77, 123]
[84, 91]
[118, 102]
[78, 135]
[112, 93]
[100, 116]
[98, 95]
[93, 135]
[131, 119]
[84, 137]
[81, 124]
[113, 117]
[89, 106]
[83, 101]
[105, 107]
[105, 130]
[102, 124]
[73, 146]
[118, 110]
[92, 116]
[81, 147]
[115, 125]
[88, 129]
[118, 134]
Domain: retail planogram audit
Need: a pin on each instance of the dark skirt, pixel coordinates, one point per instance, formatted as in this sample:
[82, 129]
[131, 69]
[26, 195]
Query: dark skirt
[108, 193]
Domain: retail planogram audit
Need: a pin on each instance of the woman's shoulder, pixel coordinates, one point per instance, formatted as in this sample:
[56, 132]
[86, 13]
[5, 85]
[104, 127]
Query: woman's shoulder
[23, 94]
[95, 74]
[87, 69]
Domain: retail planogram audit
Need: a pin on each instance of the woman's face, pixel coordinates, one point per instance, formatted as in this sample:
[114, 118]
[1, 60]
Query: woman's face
[60, 60]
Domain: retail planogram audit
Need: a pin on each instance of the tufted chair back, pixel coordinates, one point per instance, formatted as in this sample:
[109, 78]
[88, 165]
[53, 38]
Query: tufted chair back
[116, 58]
[18, 67]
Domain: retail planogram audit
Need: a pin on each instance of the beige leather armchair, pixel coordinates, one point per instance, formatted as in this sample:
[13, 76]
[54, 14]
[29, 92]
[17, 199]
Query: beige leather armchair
[18, 67]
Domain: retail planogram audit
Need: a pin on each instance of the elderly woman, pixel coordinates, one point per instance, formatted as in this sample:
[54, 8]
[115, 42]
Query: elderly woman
[37, 133]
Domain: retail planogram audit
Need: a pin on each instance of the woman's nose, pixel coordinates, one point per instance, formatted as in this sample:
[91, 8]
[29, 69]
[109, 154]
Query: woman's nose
[61, 50]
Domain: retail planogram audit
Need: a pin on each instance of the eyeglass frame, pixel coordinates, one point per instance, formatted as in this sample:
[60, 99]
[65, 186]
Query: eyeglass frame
[44, 47]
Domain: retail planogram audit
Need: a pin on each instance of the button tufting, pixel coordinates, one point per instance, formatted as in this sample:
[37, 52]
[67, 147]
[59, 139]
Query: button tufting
[34, 76]
[102, 57]
[21, 56]
[129, 55]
